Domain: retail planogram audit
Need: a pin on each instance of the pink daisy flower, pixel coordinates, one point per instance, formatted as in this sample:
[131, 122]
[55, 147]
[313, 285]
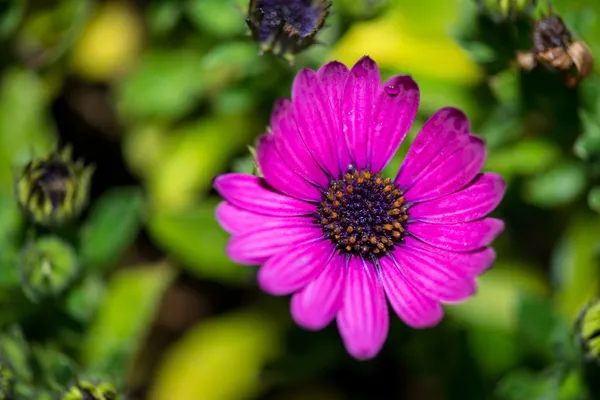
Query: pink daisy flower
[327, 227]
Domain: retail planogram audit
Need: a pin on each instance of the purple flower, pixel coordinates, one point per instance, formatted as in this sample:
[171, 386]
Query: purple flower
[327, 227]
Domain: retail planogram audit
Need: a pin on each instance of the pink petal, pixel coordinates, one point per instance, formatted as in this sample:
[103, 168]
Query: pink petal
[363, 320]
[316, 122]
[395, 108]
[291, 147]
[412, 306]
[444, 127]
[279, 175]
[234, 220]
[256, 246]
[472, 263]
[466, 236]
[433, 275]
[453, 168]
[357, 109]
[315, 306]
[251, 193]
[286, 272]
[475, 201]
[333, 77]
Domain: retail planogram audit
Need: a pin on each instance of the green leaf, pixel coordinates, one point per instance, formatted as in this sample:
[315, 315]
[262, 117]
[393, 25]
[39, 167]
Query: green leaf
[24, 123]
[114, 223]
[537, 323]
[218, 17]
[196, 240]
[557, 187]
[11, 14]
[15, 351]
[57, 370]
[525, 385]
[83, 299]
[166, 85]
[594, 198]
[132, 297]
[575, 265]
[220, 358]
[525, 157]
[588, 144]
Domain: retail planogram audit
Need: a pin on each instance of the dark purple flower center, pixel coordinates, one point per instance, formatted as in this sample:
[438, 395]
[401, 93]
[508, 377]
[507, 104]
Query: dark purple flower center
[363, 214]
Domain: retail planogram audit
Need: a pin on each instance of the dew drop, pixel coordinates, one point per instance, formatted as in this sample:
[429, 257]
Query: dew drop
[392, 90]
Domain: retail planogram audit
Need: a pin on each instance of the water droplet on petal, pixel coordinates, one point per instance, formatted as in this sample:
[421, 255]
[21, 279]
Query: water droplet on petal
[392, 90]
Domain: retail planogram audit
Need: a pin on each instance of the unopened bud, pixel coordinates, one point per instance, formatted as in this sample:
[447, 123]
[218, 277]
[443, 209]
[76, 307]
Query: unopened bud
[47, 266]
[285, 28]
[53, 189]
[87, 390]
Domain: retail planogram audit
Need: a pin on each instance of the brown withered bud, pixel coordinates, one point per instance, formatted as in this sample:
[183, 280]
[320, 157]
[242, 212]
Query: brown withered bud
[582, 57]
[553, 45]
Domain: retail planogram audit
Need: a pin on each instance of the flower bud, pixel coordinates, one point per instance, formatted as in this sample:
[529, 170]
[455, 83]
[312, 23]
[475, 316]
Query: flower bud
[284, 28]
[47, 266]
[588, 330]
[87, 390]
[7, 381]
[53, 189]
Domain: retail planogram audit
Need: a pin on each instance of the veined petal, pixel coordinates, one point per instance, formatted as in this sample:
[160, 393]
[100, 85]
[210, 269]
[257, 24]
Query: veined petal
[289, 271]
[315, 306]
[256, 246]
[252, 193]
[434, 276]
[333, 77]
[291, 147]
[411, 305]
[395, 108]
[449, 171]
[466, 236]
[357, 109]
[475, 201]
[472, 263]
[445, 127]
[279, 175]
[316, 123]
[235, 220]
[363, 320]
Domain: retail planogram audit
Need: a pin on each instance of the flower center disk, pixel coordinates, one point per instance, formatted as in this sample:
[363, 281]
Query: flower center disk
[363, 214]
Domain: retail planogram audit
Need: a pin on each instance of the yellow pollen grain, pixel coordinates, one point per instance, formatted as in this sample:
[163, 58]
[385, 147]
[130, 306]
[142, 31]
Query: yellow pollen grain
[348, 248]
[373, 239]
[336, 203]
[349, 229]
[402, 199]
[367, 175]
[396, 235]
[388, 188]
[334, 215]
[379, 181]
[324, 221]
[330, 196]
[339, 194]
[375, 251]
[397, 225]
[384, 240]
[380, 246]
[387, 227]
[349, 189]
[352, 239]
[387, 181]
[337, 237]
[397, 204]
[360, 180]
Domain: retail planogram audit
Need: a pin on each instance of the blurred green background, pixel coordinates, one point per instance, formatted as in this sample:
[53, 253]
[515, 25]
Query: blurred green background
[161, 96]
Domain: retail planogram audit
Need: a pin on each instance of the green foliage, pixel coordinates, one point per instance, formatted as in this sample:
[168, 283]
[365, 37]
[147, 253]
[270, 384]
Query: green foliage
[133, 291]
